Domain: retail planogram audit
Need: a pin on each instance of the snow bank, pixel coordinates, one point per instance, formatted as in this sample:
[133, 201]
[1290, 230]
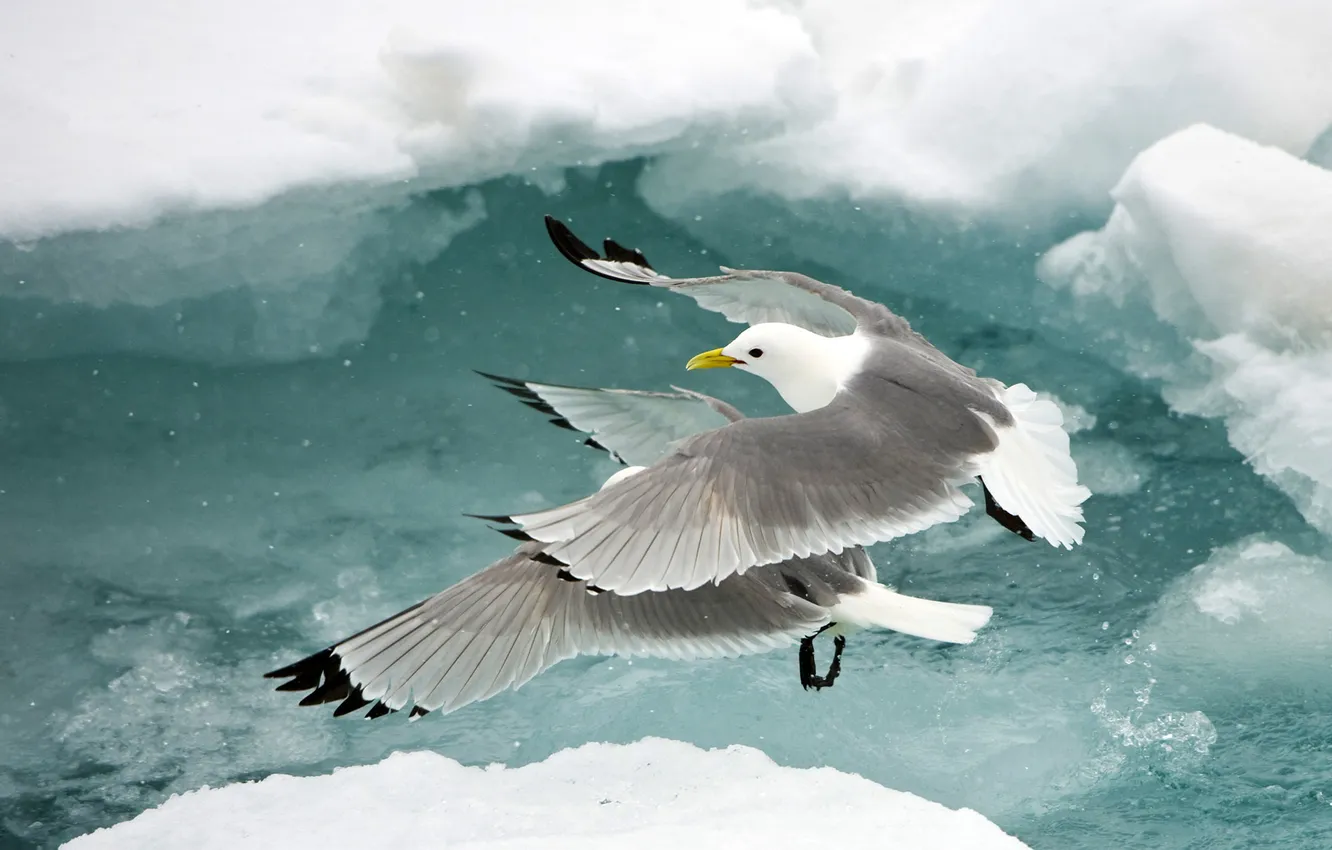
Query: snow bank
[1226, 240]
[652, 794]
[117, 115]
[1023, 107]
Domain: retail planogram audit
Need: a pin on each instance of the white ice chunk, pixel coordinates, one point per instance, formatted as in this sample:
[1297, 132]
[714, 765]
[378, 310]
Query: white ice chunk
[1023, 107]
[1257, 610]
[651, 794]
[1227, 241]
[114, 115]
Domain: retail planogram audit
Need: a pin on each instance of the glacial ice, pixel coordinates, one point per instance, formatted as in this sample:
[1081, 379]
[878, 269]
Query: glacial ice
[175, 108]
[1226, 242]
[1022, 109]
[652, 794]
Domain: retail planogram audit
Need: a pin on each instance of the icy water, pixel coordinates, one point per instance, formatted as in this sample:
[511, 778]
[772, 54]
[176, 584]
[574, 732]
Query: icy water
[175, 527]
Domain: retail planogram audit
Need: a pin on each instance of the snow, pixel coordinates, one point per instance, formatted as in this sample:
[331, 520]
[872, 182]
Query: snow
[655, 793]
[118, 115]
[1025, 108]
[1226, 241]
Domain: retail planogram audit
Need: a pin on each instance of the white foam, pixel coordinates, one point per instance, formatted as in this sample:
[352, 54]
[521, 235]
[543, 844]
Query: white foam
[1226, 240]
[652, 794]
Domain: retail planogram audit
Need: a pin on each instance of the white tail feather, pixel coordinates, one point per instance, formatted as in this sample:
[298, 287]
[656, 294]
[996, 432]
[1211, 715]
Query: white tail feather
[878, 607]
[1031, 473]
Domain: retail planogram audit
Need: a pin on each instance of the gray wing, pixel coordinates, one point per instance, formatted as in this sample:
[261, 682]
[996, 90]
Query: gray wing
[636, 427]
[748, 297]
[882, 460]
[500, 627]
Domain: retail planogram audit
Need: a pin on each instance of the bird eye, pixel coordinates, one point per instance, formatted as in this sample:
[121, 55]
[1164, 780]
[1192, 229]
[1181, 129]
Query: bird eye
[756, 353]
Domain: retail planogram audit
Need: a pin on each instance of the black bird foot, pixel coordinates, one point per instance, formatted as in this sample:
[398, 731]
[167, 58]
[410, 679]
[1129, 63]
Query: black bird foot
[808, 677]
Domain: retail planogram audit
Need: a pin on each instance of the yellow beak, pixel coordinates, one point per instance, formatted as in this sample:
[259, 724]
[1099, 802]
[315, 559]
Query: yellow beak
[713, 359]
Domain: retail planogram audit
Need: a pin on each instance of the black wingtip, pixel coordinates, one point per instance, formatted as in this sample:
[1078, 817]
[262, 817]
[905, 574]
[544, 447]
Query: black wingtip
[517, 534]
[310, 665]
[1012, 522]
[500, 379]
[576, 251]
[493, 518]
[620, 254]
[593, 444]
[524, 393]
[565, 575]
[353, 701]
[378, 710]
[322, 675]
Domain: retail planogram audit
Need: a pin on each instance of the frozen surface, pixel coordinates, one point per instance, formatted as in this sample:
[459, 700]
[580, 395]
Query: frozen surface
[180, 106]
[1025, 108]
[1226, 242]
[651, 794]
[176, 106]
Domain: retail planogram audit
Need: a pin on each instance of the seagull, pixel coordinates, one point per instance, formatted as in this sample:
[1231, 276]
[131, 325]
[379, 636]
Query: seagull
[502, 626]
[886, 431]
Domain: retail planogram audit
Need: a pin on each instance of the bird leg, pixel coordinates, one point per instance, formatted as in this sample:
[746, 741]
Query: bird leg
[808, 677]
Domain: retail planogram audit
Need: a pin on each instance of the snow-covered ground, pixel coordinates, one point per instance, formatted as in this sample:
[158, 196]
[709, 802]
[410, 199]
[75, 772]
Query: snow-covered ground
[652, 794]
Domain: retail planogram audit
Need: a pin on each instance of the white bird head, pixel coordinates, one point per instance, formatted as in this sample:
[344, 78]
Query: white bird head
[807, 369]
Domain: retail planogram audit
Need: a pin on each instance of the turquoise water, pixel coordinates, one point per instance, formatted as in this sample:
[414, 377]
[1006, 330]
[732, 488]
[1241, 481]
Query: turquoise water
[176, 526]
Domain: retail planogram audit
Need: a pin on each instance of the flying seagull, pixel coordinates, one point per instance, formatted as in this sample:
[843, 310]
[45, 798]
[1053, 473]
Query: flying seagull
[886, 431]
[505, 624]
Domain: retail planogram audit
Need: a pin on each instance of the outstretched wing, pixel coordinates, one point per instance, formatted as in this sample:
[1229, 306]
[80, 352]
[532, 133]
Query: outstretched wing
[882, 460]
[500, 627]
[748, 297]
[637, 428]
